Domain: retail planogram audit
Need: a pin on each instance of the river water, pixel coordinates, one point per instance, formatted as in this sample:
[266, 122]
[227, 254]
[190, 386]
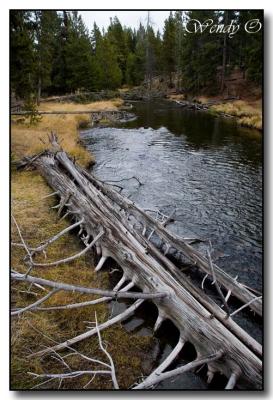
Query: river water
[208, 169]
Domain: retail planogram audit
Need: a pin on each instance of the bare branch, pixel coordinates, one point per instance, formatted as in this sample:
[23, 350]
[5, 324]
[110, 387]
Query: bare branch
[69, 375]
[178, 371]
[33, 305]
[56, 237]
[216, 283]
[21, 237]
[63, 202]
[245, 305]
[203, 281]
[112, 366]
[49, 195]
[124, 179]
[101, 262]
[232, 380]
[118, 318]
[87, 303]
[71, 258]
[171, 357]
[73, 288]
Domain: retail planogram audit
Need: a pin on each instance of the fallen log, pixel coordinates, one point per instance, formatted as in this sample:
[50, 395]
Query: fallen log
[198, 319]
[238, 290]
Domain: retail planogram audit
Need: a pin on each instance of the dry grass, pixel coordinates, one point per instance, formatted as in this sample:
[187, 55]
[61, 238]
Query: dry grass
[176, 97]
[25, 139]
[248, 114]
[39, 222]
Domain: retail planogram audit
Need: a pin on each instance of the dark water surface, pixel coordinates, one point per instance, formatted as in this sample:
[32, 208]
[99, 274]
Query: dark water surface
[206, 167]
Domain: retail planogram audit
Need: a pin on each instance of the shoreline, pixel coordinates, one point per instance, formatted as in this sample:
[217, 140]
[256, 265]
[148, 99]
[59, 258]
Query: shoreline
[247, 114]
[38, 221]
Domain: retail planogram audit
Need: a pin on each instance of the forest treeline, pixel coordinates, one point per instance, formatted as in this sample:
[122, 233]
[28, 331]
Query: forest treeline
[53, 52]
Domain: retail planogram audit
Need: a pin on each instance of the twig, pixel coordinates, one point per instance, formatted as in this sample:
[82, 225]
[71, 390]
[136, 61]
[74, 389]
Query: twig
[169, 218]
[70, 375]
[22, 239]
[33, 305]
[50, 195]
[86, 303]
[124, 179]
[112, 366]
[118, 318]
[73, 288]
[63, 202]
[185, 368]
[203, 281]
[245, 305]
[56, 237]
[171, 357]
[251, 289]
[232, 380]
[216, 283]
[71, 258]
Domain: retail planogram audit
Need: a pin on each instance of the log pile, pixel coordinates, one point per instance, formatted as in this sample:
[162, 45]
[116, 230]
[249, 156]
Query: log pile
[118, 229]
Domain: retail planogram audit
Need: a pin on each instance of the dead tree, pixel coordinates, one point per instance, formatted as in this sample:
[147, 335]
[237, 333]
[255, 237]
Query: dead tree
[118, 229]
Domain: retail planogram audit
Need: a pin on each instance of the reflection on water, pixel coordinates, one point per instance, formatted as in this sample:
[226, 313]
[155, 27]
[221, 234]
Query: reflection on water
[208, 168]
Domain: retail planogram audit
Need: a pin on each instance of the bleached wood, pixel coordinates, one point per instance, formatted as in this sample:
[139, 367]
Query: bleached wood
[196, 316]
[178, 371]
[238, 290]
[171, 357]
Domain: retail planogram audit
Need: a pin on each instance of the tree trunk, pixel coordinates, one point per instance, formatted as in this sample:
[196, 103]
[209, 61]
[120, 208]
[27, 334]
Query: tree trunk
[198, 319]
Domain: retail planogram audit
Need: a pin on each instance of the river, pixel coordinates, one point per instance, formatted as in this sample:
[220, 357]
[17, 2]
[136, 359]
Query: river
[209, 169]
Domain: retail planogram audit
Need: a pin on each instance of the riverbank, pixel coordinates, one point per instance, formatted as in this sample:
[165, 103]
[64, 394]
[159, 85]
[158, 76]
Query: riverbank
[38, 221]
[248, 113]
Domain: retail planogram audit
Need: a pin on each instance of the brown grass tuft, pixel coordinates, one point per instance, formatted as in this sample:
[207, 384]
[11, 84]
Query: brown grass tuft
[248, 114]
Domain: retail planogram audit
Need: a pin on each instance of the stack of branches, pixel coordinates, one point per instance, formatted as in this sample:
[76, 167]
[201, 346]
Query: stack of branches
[117, 228]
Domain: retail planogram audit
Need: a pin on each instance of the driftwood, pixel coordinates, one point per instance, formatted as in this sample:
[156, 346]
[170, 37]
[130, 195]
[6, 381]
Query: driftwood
[122, 231]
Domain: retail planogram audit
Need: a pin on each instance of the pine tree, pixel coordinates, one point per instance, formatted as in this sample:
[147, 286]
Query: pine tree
[168, 49]
[201, 56]
[251, 47]
[109, 75]
[59, 64]
[117, 39]
[78, 55]
[22, 53]
[46, 25]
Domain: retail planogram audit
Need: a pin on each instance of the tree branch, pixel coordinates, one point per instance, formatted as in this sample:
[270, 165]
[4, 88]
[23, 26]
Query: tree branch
[72, 288]
[33, 305]
[71, 258]
[118, 318]
[178, 371]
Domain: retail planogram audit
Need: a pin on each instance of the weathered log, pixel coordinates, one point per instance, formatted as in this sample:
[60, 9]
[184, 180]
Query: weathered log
[147, 268]
[238, 290]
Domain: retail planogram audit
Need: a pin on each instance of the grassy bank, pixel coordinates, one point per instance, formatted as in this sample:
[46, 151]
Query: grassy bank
[25, 139]
[33, 330]
[248, 113]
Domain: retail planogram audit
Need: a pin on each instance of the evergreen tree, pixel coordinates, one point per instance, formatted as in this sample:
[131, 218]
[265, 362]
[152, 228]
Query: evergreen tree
[109, 75]
[59, 64]
[135, 65]
[46, 24]
[251, 47]
[168, 49]
[53, 52]
[117, 38]
[22, 60]
[201, 56]
[78, 55]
